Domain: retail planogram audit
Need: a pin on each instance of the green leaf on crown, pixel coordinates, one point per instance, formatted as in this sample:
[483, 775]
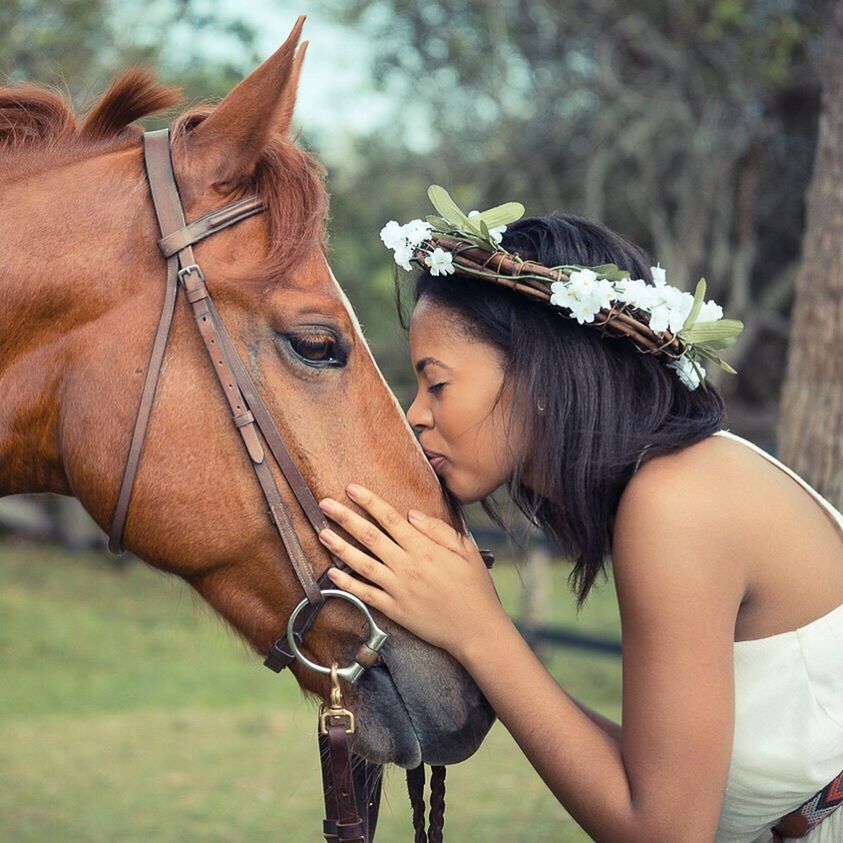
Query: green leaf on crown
[723, 330]
[439, 223]
[501, 214]
[702, 351]
[449, 209]
[699, 295]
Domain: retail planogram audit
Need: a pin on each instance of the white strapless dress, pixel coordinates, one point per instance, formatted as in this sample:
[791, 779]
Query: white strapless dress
[788, 741]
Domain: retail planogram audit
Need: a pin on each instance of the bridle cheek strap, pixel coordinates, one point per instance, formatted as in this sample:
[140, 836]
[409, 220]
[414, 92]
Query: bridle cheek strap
[248, 410]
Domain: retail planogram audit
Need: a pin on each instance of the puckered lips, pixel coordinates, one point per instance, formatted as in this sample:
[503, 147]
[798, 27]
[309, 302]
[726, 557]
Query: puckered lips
[436, 460]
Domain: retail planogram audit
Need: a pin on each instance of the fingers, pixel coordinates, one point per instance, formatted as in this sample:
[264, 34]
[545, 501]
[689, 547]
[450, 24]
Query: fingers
[371, 596]
[387, 516]
[443, 534]
[367, 533]
[359, 562]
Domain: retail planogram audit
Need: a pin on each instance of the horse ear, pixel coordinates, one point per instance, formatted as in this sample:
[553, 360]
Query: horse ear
[230, 140]
[285, 112]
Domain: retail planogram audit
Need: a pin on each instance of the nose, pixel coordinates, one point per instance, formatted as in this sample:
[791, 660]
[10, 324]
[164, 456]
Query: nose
[419, 416]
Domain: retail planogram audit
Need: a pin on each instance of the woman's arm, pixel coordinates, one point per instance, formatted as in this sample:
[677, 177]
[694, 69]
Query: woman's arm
[663, 777]
[612, 729]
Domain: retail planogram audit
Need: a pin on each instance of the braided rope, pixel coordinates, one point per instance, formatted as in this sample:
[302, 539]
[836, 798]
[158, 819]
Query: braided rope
[415, 789]
[436, 822]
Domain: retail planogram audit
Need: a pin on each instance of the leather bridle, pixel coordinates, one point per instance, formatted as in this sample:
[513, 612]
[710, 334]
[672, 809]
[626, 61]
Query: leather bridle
[351, 786]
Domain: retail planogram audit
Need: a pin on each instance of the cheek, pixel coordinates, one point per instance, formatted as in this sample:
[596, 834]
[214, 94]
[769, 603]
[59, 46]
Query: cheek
[482, 458]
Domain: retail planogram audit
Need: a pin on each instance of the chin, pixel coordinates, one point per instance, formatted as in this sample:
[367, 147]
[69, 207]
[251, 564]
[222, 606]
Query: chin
[466, 493]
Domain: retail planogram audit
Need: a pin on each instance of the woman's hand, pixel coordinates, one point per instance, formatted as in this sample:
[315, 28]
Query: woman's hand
[427, 577]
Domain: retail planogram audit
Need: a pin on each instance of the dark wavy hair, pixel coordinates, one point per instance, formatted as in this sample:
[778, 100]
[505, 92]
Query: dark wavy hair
[607, 407]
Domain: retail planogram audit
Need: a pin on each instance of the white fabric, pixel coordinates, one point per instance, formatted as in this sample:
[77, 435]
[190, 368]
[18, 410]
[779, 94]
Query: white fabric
[788, 741]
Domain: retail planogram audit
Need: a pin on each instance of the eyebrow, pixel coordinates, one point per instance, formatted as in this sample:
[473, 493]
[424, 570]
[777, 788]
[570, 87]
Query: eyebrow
[427, 361]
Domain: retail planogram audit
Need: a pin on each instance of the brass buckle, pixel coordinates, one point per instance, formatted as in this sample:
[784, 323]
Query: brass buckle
[336, 708]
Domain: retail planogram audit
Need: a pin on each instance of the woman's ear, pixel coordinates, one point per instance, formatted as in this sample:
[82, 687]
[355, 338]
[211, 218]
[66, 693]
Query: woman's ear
[224, 148]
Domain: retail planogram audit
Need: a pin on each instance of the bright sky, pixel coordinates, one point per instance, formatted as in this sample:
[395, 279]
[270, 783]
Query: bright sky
[336, 96]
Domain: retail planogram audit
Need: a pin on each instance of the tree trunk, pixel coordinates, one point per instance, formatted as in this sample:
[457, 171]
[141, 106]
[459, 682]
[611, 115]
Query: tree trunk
[811, 422]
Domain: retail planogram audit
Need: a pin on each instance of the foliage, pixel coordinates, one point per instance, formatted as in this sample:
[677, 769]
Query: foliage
[80, 44]
[689, 127]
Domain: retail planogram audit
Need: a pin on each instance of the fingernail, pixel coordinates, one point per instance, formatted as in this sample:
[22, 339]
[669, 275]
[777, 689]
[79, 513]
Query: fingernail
[334, 574]
[415, 515]
[328, 537]
[354, 490]
[328, 505]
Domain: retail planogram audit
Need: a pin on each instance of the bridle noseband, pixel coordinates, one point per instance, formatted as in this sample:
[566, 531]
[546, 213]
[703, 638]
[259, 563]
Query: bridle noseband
[351, 789]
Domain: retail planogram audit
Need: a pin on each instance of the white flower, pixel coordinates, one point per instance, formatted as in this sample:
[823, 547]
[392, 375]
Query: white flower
[402, 256]
[604, 293]
[669, 308]
[472, 214]
[416, 232]
[637, 292]
[440, 262]
[687, 373]
[585, 309]
[392, 235]
[562, 295]
[658, 273]
[583, 282]
[660, 318]
[710, 312]
[497, 233]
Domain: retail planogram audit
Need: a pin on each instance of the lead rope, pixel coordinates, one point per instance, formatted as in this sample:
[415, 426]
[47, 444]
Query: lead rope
[415, 789]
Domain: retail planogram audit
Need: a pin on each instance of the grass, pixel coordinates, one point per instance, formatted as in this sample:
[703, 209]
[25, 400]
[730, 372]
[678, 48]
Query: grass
[128, 712]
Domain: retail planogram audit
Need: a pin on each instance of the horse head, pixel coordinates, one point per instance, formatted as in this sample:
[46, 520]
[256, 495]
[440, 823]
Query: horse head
[82, 287]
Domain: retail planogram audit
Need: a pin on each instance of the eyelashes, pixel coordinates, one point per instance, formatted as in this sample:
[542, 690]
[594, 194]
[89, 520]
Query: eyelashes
[318, 348]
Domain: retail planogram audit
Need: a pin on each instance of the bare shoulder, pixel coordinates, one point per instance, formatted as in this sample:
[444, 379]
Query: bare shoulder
[708, 484]
[691, 507]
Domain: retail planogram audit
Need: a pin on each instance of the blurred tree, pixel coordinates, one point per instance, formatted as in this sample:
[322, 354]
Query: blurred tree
[811, 431]
[690, 127]
[80, 44]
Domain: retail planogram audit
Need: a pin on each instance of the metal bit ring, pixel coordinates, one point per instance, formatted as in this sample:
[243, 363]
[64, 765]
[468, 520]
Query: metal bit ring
[352, 672]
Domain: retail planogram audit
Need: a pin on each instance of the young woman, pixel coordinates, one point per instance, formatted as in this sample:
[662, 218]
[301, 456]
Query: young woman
[729, 575]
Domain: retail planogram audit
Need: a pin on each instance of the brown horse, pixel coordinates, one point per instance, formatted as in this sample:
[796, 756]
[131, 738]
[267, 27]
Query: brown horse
[82, 283]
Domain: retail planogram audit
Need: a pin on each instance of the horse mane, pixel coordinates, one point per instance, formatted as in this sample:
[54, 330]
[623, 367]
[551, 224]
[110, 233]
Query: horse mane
[37, 119]
[39, 127]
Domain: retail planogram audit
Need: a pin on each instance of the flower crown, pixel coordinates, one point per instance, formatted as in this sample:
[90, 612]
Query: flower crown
[660, 319]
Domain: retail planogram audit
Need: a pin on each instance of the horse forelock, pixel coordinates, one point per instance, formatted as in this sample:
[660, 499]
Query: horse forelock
[291, 182]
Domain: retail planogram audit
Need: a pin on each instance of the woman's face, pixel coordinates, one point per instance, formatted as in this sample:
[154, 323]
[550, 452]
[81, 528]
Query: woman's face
[459, 413]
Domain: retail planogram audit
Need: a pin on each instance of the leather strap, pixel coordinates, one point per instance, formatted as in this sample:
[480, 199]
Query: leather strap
[210, 224]
[171, 219]
[150, 384]
[342, 821]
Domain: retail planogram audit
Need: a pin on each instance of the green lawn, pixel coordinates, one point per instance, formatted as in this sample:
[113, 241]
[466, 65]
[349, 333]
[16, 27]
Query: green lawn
[128, 712]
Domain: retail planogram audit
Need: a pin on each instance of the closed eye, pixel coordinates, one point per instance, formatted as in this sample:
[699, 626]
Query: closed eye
[436, 387]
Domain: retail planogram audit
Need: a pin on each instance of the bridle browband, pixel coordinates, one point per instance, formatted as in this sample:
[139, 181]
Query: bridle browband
[351, 786]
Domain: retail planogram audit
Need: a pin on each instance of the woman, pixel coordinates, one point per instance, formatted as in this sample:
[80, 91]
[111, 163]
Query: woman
[729, 575]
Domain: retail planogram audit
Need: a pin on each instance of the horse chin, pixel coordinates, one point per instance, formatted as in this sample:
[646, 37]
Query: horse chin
[385, 732]
[405, 718]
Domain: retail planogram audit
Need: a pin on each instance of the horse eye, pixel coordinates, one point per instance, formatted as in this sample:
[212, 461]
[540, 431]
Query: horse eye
[320, 349]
